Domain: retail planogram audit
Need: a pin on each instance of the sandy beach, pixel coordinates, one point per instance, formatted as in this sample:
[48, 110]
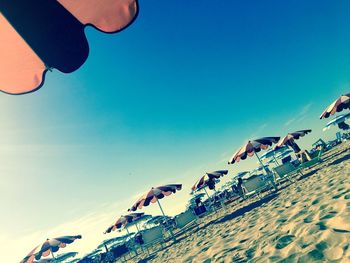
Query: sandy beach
[307, 221]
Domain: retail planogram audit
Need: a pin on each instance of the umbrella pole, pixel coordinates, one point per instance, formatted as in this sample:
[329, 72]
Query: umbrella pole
[205, 190]
[272, 181]
[274, 158]
[53, 256]
[263, 166]
[138, 230]
[161, 209]
[171, 232]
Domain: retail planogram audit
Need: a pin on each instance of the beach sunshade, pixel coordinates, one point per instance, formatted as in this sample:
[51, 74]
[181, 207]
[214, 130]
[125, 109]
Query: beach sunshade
[37, 36]
[252, 147]
[153, 195]
[290, 137]
[343, 102]
[65, 256]
[156, 220]
[45, 260]
[284, 154]
[114, 240]
[273, 152]
[123, 221]
[239, 175]
[338, 121]
[208, 176]
[49, 247]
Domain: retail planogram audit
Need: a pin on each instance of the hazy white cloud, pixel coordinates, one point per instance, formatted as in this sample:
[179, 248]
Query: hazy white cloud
[299, 116]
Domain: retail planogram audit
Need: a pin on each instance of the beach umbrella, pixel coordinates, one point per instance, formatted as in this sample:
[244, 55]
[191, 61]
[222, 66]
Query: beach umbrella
[343, 102]
[240, 175]
[252, 148]
[338, 121]
[271, 153]
[115, 240]
[65, 256]
[290, 138]
[49, 247]
[284, 154]
[123, 221]
[205, 179]
[37, 36]
[153, 196]
[45, 260]
[137, 221]
[157, 220]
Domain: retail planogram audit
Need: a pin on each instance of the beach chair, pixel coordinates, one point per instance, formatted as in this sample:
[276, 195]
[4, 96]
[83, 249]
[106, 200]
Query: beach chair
[200, 211]
[152, 237]
[255, 185]
[185, 219]
[316, 158]
[119, 252]
[286, 171]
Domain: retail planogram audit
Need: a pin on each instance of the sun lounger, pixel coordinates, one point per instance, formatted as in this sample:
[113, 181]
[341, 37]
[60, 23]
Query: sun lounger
[152, 236]
[317, 159]
[200, 210]
[286, 171]
[185, 219]
[255, 185]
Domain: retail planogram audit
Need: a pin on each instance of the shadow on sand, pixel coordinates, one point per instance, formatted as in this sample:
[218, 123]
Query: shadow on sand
[342, 159]
[144, 260]
[335, 155]
[306, 175]
[245, 209]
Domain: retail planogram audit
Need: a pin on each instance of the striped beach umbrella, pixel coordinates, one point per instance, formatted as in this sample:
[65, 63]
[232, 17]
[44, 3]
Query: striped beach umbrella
[45, 260]
[37, 36]
[153, 196]
[343, 102]
[252, 147]
[338, 121]
[123, 221]
[290, 138]
[202, 182]
[49, 247]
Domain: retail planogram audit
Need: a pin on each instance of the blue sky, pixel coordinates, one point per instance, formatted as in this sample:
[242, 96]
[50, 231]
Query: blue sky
[164, 101]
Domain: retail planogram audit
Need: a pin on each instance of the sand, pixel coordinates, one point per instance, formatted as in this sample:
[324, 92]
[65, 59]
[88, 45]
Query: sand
[307, 221]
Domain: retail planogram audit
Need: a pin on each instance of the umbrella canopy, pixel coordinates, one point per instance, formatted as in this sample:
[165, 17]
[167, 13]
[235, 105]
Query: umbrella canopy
[207, 177]
[45, 260]
[343, 102]
[123, 221]
[284, 154]
[290, 137]
[49, 247]
[153, 195]
[65, 256]
[37, 36]
[114, 240]
[273, 152]
[252, 147]
[157, 220]
[340, 121]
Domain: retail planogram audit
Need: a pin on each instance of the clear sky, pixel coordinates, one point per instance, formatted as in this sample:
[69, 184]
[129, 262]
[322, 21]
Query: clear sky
[169, 98]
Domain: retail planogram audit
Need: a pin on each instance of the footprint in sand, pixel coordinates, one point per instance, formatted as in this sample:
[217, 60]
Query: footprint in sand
[284, 241]
[322, 226]
[312, 256]
[334, 253]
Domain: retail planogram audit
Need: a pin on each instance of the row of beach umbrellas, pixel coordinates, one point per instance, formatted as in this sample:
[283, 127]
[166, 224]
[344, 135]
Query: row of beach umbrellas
[249, 149]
